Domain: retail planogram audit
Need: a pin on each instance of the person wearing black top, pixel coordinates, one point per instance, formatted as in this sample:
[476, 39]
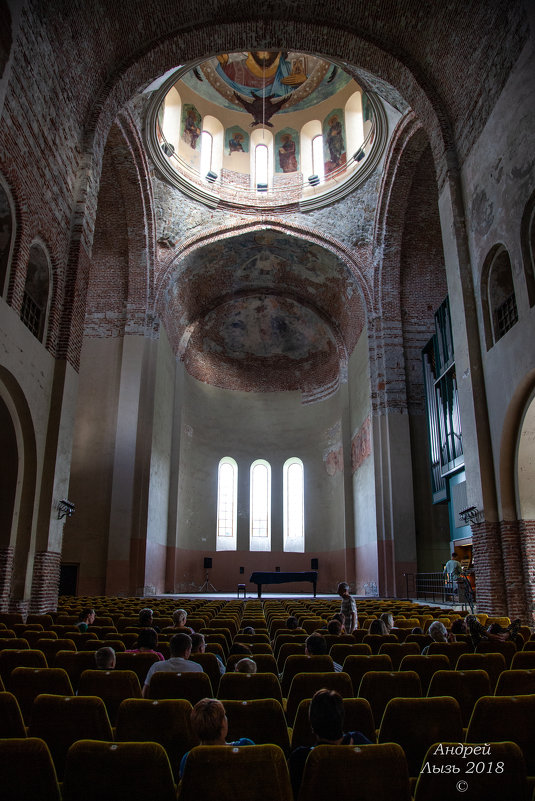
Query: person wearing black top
[326, 716]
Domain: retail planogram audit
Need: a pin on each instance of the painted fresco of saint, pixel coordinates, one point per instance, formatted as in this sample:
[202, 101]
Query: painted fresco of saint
[260, 70]
[287, 159]
[192, 129]
[235, 143]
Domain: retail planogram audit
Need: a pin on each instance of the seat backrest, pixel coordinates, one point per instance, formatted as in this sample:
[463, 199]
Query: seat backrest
[376, 640]
[262, 720]
[515, 682]
[61, 720]
[523, 660]
[493, 664]
[300, 663]
[165, 721]
[506, 717]
[357, 717]
[356, 665]
[13, 643]
[379, 686]
[11, 659]
[421, 639]
[254, 772]
[246, 686]
[27, 770]
[507, 648]
[464, 685]
[425, 666]
[288, 649]
[11, 722]
[113, 686]
[28, 682]
[453, 650]
[435, 780]
[304, 685]
[111, 771]
[75, 662]
[356, 772]
[190, 686]
[397, 650]
[210, 665]
[416, 723]
[139, 663]
[340, 651]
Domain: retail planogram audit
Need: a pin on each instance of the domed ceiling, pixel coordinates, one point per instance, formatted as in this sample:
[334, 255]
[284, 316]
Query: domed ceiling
[263, 311]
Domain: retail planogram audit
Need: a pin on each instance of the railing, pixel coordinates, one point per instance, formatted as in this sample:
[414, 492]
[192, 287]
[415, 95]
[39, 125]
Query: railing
[436, 588]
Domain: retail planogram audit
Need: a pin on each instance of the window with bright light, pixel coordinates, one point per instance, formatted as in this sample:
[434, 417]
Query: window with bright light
[261, 165]
[318, 167]
[227, 506]
[206, 152]
[260, 510]
[294, 506]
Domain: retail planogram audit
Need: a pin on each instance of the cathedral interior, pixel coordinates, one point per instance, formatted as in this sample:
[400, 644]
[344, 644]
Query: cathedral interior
[267, 296]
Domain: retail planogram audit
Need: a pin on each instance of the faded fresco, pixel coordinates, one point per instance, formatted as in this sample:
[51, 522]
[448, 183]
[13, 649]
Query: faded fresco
[287, 150]
[191, 126]
[334, 148]
[291, 80]
[236, 141]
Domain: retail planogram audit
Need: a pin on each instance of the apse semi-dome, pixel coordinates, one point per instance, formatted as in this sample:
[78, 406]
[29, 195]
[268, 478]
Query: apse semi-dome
[265, 129]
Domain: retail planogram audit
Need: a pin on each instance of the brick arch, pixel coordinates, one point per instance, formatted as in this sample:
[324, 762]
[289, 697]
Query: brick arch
[16, 556]
[125, 200]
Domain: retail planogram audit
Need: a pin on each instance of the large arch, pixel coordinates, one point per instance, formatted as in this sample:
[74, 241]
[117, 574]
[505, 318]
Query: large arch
[18, 546]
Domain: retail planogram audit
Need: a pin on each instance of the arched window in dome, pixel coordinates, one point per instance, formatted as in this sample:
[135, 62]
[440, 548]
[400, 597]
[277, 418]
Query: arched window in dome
[261, 159]
[354, 123]
[312, 149]
[294, 506]
[36, 292]
[227, 504]
[212, 139]
[498, 295]
[260, 506]
[169, 122]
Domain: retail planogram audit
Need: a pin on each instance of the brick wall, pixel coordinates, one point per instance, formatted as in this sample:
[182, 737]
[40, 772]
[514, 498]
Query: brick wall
[527, 550]
[6, 571]
[45, 584]
[488, 561]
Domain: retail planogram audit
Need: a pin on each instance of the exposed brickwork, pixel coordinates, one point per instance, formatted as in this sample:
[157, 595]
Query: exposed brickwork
[513, 568]
[6, 571]
[489, 567]
[45, 584]
[526, 530]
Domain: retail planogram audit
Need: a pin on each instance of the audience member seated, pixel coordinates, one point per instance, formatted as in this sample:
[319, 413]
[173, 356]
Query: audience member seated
[438, 633]
[248, 630]
[417, 630]
[334, 627]
[245, 666]
[316, 645]
[85, 619]
[147, 641]
[209, 723]
[494, 632]
[292, 624]
[105, 658]
[339, 616]
[146, 621]
[198, 646]
[378, 627]
[459, 626]
[179, 662]
[388, 620]
[326, 716]
[179, 621]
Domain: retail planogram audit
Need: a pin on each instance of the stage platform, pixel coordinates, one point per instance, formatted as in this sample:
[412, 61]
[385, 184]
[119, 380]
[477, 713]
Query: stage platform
[251, 595]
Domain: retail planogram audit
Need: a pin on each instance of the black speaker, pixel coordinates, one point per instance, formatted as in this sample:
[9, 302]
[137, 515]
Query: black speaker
[242, 571]
[207, 562]
[277, 570]
[314, 564]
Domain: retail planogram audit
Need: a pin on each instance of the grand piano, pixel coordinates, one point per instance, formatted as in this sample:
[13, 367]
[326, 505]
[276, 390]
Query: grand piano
[260, 578]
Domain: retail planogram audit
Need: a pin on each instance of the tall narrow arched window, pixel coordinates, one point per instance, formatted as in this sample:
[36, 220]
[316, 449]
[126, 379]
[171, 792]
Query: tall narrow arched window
[207, 144]
[294, 506]
[498, 295]
[261, 167]
[35, 298]
[527, 233]
[260, 509]
[318, 166]
[227, 504]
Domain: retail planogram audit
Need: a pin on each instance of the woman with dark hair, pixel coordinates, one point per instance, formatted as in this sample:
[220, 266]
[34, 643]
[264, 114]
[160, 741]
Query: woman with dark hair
[147, 642]
[85, 619]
